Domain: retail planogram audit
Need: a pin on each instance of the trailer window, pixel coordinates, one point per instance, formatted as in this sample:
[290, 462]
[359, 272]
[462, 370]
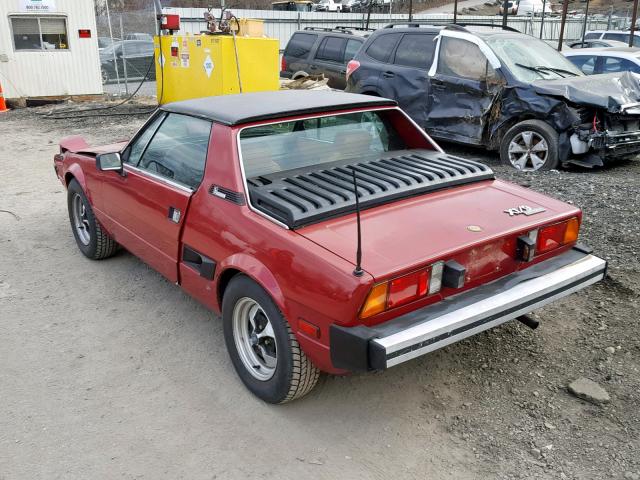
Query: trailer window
[39, 33]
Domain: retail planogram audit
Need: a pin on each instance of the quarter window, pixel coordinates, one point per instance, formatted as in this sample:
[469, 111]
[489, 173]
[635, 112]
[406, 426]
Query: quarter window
[178, 150]
[382, 46]
[461, 58]
[415, 51]
[39, 33]
[331, 49]
[300, 45]
[613, 64]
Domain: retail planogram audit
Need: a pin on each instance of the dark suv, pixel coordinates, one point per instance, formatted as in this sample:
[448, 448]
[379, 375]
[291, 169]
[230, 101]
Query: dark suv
[502, 90]
[315, 51]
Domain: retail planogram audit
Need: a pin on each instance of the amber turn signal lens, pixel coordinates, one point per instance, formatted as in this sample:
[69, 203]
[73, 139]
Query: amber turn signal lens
[376, 301]
[571, 233]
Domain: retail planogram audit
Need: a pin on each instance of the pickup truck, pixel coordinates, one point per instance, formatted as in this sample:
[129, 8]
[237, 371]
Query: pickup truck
[329, 231]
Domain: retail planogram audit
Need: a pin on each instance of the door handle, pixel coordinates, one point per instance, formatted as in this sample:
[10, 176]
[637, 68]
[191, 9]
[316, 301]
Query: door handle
[205, 266]
[388, 74]
[437, 85]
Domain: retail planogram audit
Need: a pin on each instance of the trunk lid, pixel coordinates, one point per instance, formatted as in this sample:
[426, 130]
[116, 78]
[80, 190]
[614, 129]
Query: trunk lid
[402, 236]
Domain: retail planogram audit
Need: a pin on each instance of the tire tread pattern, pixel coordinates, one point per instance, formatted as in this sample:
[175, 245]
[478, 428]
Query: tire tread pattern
[304, 374]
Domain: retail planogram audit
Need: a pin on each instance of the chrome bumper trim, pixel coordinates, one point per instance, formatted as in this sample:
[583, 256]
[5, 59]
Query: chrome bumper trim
[489, 312]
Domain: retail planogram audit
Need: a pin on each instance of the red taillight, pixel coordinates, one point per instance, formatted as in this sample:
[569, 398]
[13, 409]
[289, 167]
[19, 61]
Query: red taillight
[402, 290]
[557, 235]
[283, 64]
[408, 288]
[352, 66]
[550, 237]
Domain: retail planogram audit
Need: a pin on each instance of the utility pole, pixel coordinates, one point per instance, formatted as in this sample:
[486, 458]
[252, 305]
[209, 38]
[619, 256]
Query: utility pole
[455, 12]
[544, 4]
[584, 24]
[565, 9]
[632, 32]
[505, 13]
[411, 9]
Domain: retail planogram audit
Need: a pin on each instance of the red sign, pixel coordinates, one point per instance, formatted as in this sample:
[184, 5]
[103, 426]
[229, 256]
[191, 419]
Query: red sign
[84, 33]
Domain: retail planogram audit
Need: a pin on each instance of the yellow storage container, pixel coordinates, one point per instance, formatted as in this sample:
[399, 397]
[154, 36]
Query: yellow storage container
[249, 27]
[193, 66]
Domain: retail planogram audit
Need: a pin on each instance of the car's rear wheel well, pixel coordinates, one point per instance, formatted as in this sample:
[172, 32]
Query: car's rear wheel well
[223, 281]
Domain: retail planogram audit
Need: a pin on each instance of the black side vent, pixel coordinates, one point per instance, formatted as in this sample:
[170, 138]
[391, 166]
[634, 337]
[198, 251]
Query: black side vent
[226, 194]
[307, 195]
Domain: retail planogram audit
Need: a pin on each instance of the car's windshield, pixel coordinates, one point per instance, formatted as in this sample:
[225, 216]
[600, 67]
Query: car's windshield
[302, 143]
[530, 59]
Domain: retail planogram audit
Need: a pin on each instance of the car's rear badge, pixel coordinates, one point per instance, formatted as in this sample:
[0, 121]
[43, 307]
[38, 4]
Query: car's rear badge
[474, 228]
[524, 210]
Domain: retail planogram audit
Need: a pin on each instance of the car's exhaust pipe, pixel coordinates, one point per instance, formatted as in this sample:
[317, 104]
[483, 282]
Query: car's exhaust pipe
[532, 323]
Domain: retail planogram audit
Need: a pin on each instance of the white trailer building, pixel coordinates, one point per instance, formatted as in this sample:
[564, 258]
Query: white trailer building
[48, 48]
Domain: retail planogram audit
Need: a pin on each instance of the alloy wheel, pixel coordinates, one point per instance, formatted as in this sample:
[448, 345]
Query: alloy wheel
[255, 339]
[528, 151]
[80, 220]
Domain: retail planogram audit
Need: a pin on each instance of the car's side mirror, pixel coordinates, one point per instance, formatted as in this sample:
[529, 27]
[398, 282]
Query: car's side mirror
[109, 162]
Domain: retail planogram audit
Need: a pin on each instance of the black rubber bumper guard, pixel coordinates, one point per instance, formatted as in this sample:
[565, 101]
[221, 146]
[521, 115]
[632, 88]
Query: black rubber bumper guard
[417, 333]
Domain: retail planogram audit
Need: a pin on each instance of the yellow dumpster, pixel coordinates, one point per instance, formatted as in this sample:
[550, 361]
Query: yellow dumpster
[192, 66]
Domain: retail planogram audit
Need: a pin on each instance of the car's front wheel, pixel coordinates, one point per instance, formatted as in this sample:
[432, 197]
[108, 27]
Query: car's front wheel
[262, 347]
[529, 146]
[92, 240]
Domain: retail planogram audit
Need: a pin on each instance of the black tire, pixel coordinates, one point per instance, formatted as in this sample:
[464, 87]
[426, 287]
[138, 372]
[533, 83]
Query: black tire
[531, 160]
[100, 245]
[294, 374]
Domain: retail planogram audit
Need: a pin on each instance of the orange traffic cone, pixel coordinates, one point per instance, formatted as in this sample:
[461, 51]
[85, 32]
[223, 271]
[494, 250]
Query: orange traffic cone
[3, 105]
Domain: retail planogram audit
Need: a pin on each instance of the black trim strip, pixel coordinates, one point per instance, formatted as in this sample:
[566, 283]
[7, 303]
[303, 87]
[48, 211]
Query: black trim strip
[495, 316]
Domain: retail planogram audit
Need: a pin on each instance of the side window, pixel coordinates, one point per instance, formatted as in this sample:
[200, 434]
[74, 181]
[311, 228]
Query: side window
[331, 49]
[382, 46]
[351, 49]
[132, 157]
[461, 58]
[592, 35]
[300, 44]
[415, 50]
[178, 150]
[621, 37]
[586, 63]
[613, 64]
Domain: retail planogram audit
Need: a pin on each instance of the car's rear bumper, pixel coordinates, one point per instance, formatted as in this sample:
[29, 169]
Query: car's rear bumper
[455, 318]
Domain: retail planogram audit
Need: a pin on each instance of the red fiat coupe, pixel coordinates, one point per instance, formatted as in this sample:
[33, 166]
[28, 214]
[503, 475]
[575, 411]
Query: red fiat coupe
[330, 232]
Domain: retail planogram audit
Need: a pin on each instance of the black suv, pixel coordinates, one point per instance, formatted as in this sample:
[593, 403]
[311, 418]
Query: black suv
[315, 51]
[502, 90]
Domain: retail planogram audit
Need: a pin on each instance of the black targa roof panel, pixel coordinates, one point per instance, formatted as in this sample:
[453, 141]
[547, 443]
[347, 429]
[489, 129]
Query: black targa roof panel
[312, 194]
[258, 106]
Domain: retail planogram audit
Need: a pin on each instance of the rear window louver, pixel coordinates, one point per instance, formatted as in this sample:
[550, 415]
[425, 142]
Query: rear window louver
[309, 195]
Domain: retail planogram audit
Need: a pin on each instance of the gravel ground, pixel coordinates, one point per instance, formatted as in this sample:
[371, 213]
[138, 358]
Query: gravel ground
[111, 371]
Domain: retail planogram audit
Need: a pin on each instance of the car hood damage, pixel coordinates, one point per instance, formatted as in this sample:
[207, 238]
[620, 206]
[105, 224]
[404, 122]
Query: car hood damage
[612, 92]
